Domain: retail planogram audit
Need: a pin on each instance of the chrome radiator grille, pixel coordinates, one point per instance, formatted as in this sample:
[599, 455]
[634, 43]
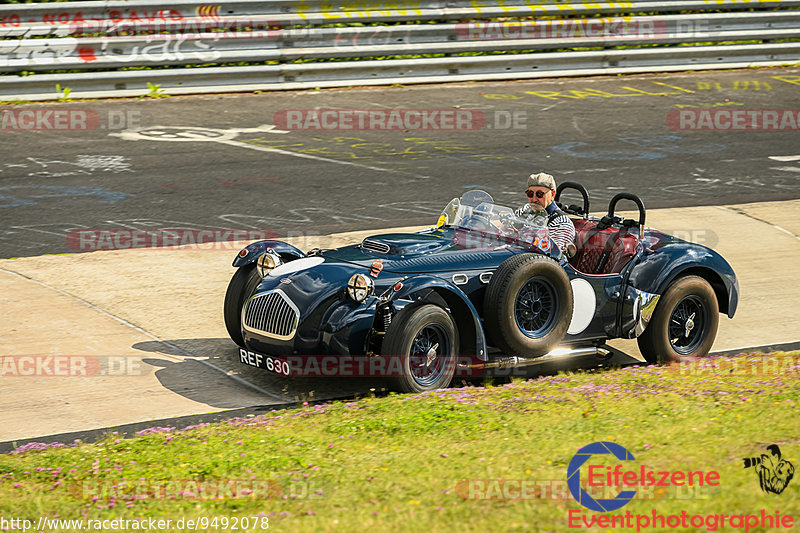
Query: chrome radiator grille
[271, 314]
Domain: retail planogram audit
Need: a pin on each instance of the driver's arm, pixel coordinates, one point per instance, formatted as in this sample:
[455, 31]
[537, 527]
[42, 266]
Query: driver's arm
[562, 231]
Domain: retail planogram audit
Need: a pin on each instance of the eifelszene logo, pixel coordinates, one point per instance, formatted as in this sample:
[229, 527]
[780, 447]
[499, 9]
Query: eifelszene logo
[574, 477]
[774, 472]
[603, 472]
[641, 476]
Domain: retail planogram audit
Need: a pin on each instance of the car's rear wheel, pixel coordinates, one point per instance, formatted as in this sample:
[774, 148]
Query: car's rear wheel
[425, 342]
[684, 323]
[528, 305]
[242, 284]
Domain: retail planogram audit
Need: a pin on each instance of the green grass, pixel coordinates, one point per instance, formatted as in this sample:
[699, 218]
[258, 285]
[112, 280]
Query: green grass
[400, 462]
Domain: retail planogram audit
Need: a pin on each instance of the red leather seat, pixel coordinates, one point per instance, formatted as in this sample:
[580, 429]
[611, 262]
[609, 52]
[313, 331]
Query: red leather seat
[623, 250]
[602, 251]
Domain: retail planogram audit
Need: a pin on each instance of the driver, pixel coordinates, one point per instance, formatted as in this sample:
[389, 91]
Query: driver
[541, 195]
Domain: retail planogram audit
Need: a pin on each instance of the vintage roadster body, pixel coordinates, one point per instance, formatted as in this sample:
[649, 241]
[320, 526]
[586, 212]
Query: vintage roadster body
[485, 285]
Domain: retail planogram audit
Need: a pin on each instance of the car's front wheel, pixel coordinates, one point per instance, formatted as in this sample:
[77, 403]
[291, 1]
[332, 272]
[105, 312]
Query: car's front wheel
[684, 323]
[242, 284]
[424, 341]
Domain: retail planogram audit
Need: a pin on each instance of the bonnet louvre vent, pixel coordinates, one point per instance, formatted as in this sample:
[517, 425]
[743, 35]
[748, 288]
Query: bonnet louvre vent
[375, 246]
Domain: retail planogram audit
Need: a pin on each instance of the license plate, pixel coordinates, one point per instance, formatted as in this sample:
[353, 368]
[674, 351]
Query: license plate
[267, 362]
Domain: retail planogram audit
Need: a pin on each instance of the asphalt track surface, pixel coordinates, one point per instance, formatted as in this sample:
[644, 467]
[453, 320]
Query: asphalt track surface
[208, 162]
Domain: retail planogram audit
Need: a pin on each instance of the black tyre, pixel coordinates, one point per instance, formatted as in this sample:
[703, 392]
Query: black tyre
[425, 341]
[242, 284]
[684, 323]
[528, 305]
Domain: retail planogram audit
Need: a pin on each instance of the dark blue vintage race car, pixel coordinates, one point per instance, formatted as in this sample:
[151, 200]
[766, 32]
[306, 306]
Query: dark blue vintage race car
[484, 284]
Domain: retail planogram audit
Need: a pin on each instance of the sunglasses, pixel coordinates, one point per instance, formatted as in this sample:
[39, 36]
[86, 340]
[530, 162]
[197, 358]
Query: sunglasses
[538, 194]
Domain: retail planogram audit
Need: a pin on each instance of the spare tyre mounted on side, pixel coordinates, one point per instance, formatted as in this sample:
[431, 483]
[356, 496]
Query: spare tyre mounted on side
[528, 305]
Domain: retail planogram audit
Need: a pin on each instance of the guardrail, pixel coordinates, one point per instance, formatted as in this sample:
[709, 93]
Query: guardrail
[325, 43]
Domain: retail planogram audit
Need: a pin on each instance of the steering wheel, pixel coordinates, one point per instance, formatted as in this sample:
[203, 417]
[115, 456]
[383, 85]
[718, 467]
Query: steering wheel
[476, 197]
[477, 222]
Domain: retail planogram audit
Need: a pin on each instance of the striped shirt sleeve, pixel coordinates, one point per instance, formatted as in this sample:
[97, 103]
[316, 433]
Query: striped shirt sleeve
[562, 231]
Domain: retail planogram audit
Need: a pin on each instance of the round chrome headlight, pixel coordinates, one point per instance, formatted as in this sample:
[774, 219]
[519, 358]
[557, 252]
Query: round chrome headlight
[360, 287]
[267, 261]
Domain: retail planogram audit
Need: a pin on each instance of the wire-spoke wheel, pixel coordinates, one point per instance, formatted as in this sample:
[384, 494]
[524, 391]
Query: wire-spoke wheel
[684, 323]
[425, 342]
[428, 355]
[687, 325]
[536, 307]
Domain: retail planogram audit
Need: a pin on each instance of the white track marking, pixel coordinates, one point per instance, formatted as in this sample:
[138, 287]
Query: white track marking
[317, 158]
[740, 212]
[228, 136]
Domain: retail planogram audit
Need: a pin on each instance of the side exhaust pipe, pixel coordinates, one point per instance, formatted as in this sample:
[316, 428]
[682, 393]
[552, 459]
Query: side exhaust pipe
[517, 362]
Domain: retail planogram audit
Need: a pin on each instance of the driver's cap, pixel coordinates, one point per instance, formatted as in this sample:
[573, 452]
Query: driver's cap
[542, 179]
